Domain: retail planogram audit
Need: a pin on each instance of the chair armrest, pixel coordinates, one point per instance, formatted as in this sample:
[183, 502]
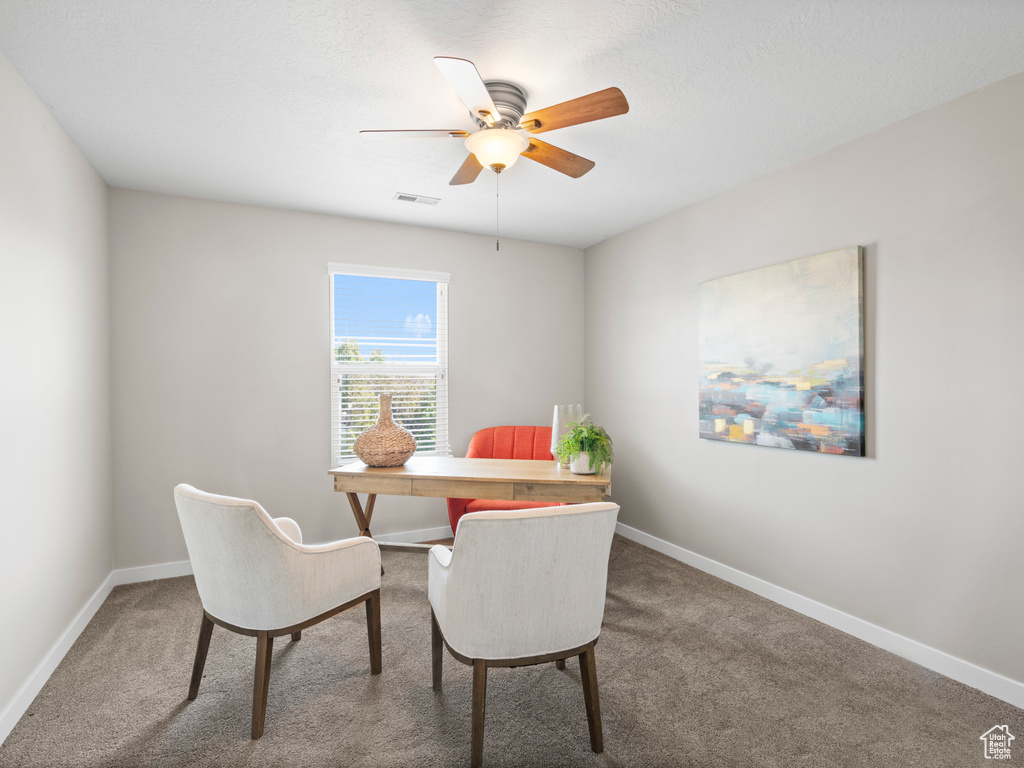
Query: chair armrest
[313, 578]
[332, 546]
[289, 528]
[439, 560]
[442, 553]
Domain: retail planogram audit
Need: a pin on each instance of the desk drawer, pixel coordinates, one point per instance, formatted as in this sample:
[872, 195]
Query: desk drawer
[461, 489]
[571, 494]
[393, 486]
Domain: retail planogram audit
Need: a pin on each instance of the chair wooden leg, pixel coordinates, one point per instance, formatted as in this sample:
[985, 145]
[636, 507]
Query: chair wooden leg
[560, 664]
[205, 631]
[435, 651]
[296, 636]
[373, 631]
[476, 759]
[261, 682]
[588, 671]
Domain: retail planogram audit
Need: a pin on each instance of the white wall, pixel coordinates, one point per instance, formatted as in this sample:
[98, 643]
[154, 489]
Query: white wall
[221, 355]
[55, 465]
[923, 537]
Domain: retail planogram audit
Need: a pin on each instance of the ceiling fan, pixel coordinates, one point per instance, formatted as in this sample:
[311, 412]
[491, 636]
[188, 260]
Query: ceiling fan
[498, 108]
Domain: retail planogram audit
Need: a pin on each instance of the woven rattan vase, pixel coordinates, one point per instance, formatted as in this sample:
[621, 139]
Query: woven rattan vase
[385, 444]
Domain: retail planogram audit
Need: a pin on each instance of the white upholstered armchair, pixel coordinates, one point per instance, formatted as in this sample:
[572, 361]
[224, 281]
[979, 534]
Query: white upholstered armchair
[519, 588]
[256, 577]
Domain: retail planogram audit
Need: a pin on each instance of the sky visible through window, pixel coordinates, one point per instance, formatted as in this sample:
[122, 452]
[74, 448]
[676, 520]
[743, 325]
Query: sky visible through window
[396, 316]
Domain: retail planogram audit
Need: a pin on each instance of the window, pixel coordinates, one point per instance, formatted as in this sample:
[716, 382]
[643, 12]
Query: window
[389, 333]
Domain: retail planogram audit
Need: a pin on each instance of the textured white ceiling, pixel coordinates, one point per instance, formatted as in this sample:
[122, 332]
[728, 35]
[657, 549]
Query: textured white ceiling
[261, 101]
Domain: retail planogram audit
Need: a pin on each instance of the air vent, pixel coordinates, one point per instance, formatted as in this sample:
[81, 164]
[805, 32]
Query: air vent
[407, 198]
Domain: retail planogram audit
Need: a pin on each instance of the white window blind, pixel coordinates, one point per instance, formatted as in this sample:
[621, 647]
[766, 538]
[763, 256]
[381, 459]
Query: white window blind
[389, 333]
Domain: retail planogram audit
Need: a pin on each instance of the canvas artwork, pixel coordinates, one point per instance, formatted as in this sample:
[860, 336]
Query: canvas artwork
[782, 355]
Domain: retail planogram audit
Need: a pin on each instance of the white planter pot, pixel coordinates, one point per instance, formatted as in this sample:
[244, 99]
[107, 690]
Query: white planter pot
[581, 464]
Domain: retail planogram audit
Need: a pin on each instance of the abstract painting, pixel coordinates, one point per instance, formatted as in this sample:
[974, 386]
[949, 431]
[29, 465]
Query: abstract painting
[782, 355]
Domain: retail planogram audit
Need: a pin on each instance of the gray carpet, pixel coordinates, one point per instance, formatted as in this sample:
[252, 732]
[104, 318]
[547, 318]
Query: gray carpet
[693, 672]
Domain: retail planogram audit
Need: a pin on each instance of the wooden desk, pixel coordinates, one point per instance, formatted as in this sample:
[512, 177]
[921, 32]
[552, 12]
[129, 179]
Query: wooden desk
[445, 477]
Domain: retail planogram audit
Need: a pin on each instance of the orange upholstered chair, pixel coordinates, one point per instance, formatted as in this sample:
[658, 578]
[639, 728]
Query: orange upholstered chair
[503, 443]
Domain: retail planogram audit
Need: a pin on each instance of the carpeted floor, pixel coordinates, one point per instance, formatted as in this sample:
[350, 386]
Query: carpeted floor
[693, 672]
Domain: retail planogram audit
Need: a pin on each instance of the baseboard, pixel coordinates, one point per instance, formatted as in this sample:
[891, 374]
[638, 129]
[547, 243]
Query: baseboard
[412, 537]
[992, 683]
[151, 572]
[24, 698]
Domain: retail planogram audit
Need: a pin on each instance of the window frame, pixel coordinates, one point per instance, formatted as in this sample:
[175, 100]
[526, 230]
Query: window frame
[439, 369]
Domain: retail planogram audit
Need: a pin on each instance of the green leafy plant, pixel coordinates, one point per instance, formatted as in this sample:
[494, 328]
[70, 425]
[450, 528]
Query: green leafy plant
[584, 436]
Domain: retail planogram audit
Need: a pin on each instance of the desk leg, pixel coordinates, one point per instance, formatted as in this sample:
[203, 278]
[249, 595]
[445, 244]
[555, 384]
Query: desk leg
[362, 519]
[371, 499]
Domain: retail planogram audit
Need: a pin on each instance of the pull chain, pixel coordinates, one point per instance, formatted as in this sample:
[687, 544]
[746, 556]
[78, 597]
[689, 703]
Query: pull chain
[497, 212]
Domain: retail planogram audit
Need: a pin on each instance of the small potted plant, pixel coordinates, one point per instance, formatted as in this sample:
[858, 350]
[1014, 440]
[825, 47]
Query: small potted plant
[587, 448]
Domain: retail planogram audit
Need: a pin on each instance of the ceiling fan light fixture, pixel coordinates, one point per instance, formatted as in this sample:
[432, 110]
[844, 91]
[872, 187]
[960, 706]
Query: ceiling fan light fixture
[497, 148]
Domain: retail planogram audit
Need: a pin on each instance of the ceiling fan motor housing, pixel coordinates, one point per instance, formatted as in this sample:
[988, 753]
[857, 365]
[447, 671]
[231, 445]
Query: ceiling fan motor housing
[510, 100]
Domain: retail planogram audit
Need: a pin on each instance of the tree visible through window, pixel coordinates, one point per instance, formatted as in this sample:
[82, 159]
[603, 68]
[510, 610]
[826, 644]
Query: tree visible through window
[389, 333]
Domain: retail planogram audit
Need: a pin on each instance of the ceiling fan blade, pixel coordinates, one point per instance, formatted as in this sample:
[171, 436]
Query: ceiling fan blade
[558, 159]
[418, 134]
[467, 82]
[585, 109]
[467, 172]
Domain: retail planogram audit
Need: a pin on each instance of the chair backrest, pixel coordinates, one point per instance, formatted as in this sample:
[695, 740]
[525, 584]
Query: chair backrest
[530, 582]
[503, 443]
[511, 443]
[244, 565]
